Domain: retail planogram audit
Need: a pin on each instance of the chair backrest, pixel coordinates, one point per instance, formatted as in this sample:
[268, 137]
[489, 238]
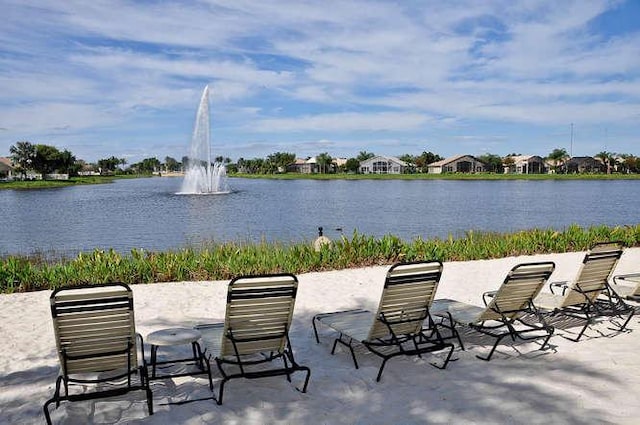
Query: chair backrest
[94, 328]
[259, 313]
[520, 287]
[593, 277]
[409, 289]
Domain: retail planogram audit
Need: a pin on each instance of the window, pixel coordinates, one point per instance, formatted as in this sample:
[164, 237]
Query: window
[380, 167]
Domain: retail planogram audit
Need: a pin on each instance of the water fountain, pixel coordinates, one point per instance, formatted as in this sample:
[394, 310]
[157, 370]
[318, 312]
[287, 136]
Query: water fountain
[203, 177]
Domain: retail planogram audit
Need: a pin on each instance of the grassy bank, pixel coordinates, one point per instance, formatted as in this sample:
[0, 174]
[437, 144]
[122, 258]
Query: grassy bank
[223, 261]
[49, 184]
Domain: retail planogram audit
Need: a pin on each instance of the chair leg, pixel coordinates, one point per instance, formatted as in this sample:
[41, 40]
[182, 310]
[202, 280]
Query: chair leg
[498, 339]
[448, 359]
[384, 362]
[353, 353]
[147, 387]
[56, 398]
[315, 330]
[626, 322]
[546, 340]
[306, 380]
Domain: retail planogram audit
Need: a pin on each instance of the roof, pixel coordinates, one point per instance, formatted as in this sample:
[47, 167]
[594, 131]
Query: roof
[6, 161]
[448, 160]
[387, 158]
[523, 158]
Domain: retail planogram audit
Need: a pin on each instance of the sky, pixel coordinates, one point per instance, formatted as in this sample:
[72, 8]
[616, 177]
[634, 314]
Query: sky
[124, 78]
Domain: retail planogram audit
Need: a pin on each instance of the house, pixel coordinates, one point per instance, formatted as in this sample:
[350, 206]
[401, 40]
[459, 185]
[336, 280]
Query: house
[304, 166]
[457, 164]
[583, 164]
[383, 165]
[339, 162]
[524, 164]
[6, 168]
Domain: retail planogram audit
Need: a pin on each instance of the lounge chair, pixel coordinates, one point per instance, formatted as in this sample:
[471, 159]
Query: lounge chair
[628, 292]
[402, 324]
[508, 312]
[255, 332]
[590, 296]
[97, 343]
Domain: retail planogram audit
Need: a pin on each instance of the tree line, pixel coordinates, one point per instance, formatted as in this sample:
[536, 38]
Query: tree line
[46, 159]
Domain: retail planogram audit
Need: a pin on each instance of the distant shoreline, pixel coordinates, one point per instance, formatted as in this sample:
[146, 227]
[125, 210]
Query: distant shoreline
[48, 184]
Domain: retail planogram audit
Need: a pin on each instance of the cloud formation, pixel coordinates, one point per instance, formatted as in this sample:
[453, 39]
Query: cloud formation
[122, 77]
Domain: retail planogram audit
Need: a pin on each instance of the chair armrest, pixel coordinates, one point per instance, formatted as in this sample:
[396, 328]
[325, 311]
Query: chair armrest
[487, 296]
[559, 286]
[632, 277]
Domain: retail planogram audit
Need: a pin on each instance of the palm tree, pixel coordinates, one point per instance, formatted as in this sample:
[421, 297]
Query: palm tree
[607, 159]
[558, 157]
[324, 161]
[23, 154]
[364, 155]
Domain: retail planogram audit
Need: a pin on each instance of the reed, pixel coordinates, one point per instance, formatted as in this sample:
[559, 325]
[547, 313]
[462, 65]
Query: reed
[222, 261]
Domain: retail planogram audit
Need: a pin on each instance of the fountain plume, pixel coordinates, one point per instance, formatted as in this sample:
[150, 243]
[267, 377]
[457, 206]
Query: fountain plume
[202, 176]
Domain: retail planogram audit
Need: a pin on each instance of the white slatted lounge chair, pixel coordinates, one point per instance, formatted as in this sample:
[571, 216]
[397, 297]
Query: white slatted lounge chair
[590, 296]
[401, 325]
[505, 310]
[96, 342]
[256, 330]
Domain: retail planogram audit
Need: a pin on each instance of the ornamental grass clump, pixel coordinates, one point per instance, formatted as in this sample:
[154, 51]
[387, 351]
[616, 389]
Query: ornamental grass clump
[223, 261]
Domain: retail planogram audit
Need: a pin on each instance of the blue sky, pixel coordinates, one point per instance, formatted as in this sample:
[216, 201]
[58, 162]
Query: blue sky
[124, 78]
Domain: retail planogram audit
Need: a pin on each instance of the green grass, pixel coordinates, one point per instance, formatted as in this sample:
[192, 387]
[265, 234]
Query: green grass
[226, 260]
[48, 184]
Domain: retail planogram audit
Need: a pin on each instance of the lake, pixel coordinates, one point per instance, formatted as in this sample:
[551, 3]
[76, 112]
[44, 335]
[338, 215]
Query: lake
[147, 213]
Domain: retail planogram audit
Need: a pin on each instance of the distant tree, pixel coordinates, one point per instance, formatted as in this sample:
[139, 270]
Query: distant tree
[185, 162]
[352, 165]
[281, 160]
[608, 159]
[23, 154]
[109, 165]
[68, 163]
[219, 159]
[241, 164]
[324, 162]
[171, 164]
[150, 165]
[558, 157]
[422, 162]
[364, 155]
[509, 161]
[493, 162]
[408, 158]
[47, 159]
[251, 166]
[629, 163]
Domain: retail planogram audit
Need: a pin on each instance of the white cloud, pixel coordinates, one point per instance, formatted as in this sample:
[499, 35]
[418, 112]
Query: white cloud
[348, 121]
[334, 68]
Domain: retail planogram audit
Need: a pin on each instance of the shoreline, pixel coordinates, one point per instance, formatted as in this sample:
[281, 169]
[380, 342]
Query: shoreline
[583, 382]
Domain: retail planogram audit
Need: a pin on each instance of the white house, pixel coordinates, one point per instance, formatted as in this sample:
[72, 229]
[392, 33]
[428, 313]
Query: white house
[383, 165]
[524, 164]
[457, 164]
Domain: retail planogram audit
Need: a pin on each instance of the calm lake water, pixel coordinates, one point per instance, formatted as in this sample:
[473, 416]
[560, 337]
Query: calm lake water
[146, 213]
